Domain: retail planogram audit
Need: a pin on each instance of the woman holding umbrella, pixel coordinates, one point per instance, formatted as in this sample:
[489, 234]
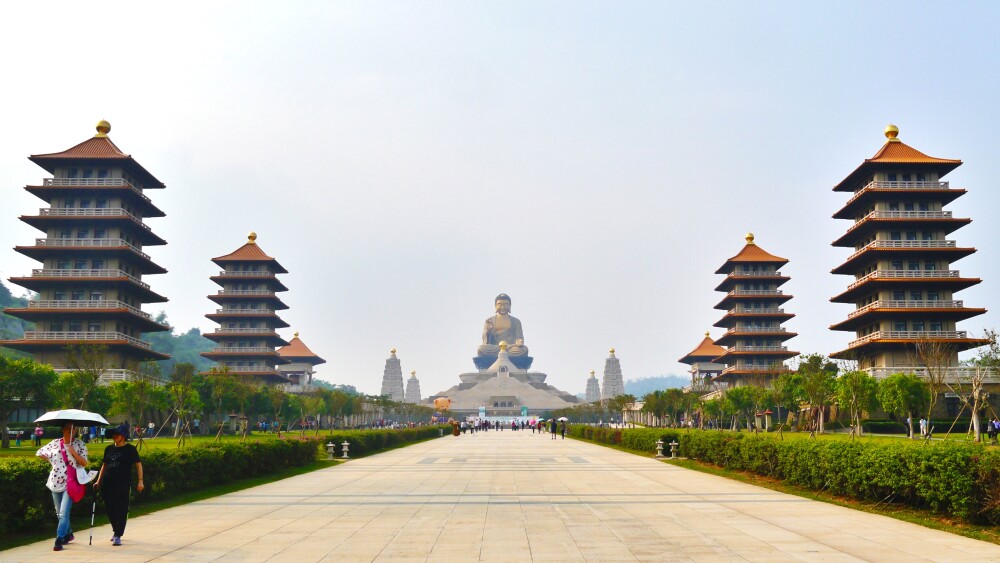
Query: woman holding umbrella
[65, 455]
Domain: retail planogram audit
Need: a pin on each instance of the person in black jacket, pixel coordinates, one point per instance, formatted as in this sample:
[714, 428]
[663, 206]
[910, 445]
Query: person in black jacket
[115, 480]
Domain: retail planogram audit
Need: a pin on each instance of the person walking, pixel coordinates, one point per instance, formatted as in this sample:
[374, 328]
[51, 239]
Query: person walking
[65, 455]
[36, 435]
[562, 429]
[115, 480]
[552, 428]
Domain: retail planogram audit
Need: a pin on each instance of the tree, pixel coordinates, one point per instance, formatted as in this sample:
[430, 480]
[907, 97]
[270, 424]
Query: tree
[818, 385]
[23, 383]
[278, 400]
[903, 394]
[787, 392]
[987, 363]
[87, 364]
[741, 401]
[856, 392]
[936, 357]
[655, 404]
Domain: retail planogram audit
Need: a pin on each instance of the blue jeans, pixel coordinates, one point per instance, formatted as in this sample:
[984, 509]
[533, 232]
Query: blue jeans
[64, 505]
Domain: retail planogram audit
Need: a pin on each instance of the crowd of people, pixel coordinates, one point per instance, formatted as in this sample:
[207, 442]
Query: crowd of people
[552, 427]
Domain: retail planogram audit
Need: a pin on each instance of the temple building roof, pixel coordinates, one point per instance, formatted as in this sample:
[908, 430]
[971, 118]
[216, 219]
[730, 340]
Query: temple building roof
[706, 351]
[895, 151]
[750, 253]
[250, 252]
[298, 351]
[97, 148]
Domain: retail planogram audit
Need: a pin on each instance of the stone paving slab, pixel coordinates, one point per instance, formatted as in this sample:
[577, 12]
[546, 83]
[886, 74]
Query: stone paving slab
[512, 496]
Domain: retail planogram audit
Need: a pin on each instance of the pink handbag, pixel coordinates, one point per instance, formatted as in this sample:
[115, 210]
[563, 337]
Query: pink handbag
[73, 486]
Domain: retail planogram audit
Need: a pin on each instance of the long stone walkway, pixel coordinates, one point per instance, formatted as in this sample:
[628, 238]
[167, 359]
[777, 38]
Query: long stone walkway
[512, 496]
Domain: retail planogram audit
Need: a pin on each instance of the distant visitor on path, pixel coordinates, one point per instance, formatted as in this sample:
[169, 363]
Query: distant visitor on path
[62, 479]
[115, 480]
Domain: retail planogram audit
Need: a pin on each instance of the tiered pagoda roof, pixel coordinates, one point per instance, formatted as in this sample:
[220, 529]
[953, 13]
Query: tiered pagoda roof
[901, 263]
[247, 336]
[298, 352]
[706, 351]
[754, 336]
[90, 287]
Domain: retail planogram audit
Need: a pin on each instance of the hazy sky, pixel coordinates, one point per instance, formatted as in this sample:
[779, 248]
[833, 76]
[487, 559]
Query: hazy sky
[408, 161]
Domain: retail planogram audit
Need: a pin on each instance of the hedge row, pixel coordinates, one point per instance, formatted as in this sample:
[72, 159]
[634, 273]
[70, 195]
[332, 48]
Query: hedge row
[638, 439]
[26, 504]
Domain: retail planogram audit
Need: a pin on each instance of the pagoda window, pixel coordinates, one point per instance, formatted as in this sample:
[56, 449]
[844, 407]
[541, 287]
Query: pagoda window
[893, 206]
[917, 325]
[88, 172]
[891, 177]
[100, 233]
[916, 295]
[93, 326]
[66, 233]
[936, 325]
[97, 264]
[84, 203]
[72, 173]
[102, 172]
[82, 233]
[896, 264]
[908, 206]
[102, 203]
[930, 266]
[232, 325]
[58, 295]
[900, 325]
[56, 326]
[928, 235]
[62, 264]
[924, 206]
[913, 265]
[911, 235]
[898, 296]
[895, 235]
[80, 264]
[933, 295]
[75, 326]
[921, 177]
[76, 295]
[906, 177]
[97, 296]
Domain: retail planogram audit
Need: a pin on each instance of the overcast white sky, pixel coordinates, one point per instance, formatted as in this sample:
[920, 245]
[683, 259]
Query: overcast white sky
[408, 161]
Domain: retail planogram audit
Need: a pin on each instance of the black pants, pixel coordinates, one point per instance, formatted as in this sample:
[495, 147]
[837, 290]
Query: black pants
[116, 501]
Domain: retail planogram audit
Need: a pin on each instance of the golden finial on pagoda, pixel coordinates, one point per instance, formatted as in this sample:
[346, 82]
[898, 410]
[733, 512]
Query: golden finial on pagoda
[706, 334]
[103, 128]
[296, 334]
[750, 238]
[413, 373]
[252, 238]
[612, 351]
[503, 345]
[891, 132]
[393, 351]
[591, 373]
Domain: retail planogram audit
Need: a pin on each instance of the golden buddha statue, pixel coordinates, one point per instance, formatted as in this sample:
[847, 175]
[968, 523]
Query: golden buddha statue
[502, 327]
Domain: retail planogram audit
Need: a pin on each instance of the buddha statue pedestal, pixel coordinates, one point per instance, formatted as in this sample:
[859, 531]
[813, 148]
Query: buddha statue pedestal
[520, 362]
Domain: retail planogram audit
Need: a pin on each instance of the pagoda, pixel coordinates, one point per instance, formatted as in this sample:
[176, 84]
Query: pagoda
[392, 378]
[593, 393]
[702, 361]
[299, 370]
[613, 384]
[754, 338]
[412, 389]
[248, 321]
[904, 285]
[89, 287]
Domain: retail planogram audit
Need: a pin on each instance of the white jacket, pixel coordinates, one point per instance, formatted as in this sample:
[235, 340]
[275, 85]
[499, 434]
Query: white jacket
[53, 452]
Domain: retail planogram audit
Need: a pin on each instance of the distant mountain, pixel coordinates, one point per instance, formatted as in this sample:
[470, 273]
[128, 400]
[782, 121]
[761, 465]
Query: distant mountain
[10, 327]
[639, 387]
[349, 389]
[185, 347]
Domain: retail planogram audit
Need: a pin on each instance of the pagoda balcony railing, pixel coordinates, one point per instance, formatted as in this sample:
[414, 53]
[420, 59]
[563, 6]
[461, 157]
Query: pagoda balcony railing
[95, 182]
[755, 292]
[881, 185]
[87, 304]
[110, 376]
[91, 212]
[238, 312]
[915, 304]
[228, 274]
[742, 274]
[255, 292]
[929, 335]
[762, 311]
[774, 367]
[902, 244]
[102, 242]
[743, 348]
[84, 336]
[261, 330]
[74, 273]
[735, 330]
[250, 369]
[242, 349]
[952, 374]
[904, 274]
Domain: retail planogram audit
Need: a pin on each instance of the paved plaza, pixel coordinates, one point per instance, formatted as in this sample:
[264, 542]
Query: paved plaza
[511, 496]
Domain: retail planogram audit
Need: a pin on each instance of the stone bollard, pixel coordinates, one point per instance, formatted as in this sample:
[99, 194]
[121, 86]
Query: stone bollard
[329, 450]
[440, 431]
[673, 449]
[345, 446]
[659, 448]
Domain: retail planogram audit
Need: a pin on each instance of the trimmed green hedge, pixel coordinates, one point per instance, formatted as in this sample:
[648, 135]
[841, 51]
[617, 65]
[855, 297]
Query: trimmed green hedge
[958, 479]
[961, 480]
[25, 502]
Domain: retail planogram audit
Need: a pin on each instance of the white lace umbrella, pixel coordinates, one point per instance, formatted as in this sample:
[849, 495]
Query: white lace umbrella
[76, 416]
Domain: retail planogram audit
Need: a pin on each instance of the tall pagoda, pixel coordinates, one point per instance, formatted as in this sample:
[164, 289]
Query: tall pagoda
[412, 394]
[703, 366]
[904, 285]
[89, 287]
[613, 384]
[754, 338]
[246, 338]
[301, 364]
[593, 393]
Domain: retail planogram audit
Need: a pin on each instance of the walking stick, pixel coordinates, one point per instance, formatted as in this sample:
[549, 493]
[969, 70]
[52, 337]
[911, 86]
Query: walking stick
[93, 510]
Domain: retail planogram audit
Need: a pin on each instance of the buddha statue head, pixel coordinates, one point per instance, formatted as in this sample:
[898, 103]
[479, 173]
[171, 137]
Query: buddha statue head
[502, 303]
